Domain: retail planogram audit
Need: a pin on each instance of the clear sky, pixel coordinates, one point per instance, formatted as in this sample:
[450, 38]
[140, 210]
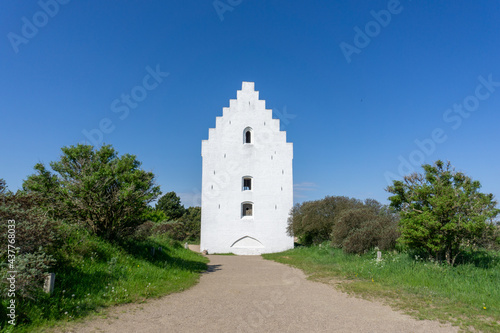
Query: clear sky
[366, 90]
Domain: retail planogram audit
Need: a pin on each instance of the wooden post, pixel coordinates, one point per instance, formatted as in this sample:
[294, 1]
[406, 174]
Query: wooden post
[186, 245]
[379, 256]
[48, 285]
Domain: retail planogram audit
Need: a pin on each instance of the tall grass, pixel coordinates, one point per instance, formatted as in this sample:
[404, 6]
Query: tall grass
[466, 295]
[92, 273]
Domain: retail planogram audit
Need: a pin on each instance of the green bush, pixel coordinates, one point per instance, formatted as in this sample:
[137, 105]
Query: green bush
[361, 229]
[312, 221]
[36, 240]
[351, 224]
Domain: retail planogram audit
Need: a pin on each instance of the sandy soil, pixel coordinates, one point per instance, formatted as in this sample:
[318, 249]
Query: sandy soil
[250, 294]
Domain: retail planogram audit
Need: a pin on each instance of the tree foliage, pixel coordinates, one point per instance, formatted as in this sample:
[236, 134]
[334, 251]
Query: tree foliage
[351, 224]
[170, 204]
[360, 229]
[442, 211]
[312, 221]
[192, 223]
[186, 228]
[154, 215]
[96, 187]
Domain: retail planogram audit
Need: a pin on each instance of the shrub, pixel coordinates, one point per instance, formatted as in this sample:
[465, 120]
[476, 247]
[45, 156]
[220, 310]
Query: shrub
[358, 230]
[312, 221]
[36, 239]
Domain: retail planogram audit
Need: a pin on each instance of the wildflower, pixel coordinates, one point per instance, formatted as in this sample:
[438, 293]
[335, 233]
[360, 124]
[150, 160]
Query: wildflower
[137, 265]
[73, 295]
[484, 307]
[373, 280]
[66, 312]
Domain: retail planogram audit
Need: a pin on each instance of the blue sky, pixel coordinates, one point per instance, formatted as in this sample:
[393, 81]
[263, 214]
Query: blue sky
[366, 90]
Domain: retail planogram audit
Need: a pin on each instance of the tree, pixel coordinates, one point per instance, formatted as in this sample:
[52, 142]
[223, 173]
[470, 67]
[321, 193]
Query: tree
[192, 223]
[106, 192]
[442, 211]
[170, 204]
[154, 215]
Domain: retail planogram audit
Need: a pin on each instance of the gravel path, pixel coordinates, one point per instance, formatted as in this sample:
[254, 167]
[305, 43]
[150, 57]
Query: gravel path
[250, 294]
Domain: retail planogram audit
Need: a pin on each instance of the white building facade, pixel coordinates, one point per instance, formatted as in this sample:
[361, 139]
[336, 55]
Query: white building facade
[247, 181]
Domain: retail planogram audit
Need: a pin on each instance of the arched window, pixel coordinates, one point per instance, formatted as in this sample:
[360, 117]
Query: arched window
[247, 135]
[246, 209]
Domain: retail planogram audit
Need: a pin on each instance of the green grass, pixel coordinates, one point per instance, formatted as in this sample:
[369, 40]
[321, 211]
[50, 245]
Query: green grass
[467, 295]
[93, 274]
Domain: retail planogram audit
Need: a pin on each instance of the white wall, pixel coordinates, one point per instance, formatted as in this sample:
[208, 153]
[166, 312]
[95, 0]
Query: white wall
[226, 160]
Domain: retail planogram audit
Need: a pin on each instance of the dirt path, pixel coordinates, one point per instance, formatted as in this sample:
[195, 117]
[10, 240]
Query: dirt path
[250, 294]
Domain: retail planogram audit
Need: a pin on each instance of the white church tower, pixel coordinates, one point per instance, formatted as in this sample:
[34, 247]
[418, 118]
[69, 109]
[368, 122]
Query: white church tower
[247, 181]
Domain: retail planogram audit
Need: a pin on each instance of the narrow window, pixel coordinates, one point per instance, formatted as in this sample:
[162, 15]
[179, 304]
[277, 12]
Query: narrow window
[247, 135]
[247, 209]
[247, 184]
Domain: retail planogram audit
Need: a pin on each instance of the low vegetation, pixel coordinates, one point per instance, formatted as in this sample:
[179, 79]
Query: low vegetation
[466, 295]
[92, 273]
[440, 244]
[88, 220]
